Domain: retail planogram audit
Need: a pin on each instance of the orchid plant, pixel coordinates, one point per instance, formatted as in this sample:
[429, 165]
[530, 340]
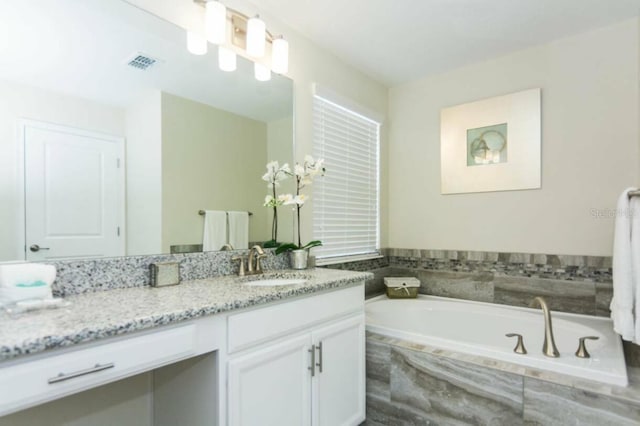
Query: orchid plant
[304, 174]
[274, 175]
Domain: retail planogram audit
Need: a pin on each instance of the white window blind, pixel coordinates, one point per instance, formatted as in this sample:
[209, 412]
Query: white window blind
[346, 199]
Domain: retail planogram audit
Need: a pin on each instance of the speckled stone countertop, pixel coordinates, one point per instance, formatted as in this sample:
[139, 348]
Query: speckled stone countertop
[94, 316]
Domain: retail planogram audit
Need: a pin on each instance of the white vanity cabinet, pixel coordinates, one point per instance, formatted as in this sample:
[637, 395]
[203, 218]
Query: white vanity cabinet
[304, 365]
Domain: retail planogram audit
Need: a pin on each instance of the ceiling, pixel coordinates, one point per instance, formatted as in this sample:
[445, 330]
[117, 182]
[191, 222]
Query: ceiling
[81, 48]
[395, 41]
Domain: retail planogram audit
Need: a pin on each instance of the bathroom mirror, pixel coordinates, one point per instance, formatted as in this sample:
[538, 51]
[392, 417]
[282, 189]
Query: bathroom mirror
[102, 99]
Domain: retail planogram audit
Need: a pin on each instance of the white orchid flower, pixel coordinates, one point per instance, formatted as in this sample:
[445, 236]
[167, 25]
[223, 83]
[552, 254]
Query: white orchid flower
[288, 199]
[299, 170]
[283, 198]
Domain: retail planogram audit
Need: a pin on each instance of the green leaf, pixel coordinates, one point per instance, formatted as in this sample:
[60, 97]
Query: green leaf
[271, 244]
[286, 247]
[312, 244]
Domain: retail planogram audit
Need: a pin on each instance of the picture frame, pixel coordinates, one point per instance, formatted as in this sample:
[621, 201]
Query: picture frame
[492, 145]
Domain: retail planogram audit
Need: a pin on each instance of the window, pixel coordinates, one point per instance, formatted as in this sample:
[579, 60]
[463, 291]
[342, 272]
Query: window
[346, 200]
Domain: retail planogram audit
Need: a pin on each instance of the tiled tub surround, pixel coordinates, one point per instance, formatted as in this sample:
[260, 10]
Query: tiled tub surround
[84, 276]
[96, 315]
[480, 329]
[576, 284]
[408, 383]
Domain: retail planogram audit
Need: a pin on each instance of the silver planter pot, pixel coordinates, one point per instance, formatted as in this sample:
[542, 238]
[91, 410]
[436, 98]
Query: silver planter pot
[299, 258]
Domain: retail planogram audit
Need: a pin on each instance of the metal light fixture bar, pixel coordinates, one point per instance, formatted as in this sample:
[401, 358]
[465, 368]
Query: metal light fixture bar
[239, 26]
[227, 27]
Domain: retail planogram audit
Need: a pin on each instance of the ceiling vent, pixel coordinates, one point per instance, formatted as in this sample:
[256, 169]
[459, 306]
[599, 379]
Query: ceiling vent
[142, 61]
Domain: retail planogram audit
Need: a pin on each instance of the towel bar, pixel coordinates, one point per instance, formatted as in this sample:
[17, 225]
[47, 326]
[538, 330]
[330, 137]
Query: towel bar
[202, 212]
[631, 194]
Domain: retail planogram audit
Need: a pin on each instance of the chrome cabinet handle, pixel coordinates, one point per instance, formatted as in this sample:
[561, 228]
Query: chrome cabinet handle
[582, 348]
[519, 349]
[319, 363]
[34, 248]
[313, 360]
[62, 376]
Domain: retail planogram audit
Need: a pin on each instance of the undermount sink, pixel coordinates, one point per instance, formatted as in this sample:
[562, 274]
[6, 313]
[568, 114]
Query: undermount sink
[271, 282]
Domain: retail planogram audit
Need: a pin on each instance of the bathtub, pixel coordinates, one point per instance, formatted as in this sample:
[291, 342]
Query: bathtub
[478, 328]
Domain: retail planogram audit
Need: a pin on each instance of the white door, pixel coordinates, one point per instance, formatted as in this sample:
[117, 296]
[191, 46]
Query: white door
[339, 384]
[271, 386]
[74, 192]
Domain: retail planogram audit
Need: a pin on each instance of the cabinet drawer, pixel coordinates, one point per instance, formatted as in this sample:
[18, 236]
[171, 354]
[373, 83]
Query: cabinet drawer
[252, 327]
[28, 383]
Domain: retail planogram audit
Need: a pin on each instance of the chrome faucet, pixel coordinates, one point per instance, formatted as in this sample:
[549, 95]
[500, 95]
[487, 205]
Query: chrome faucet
[254, 266]
[549, 346]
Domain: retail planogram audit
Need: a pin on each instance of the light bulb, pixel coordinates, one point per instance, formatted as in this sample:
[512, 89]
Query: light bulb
[261, 72]
[216, 22]
[256, 33]
[280, 56]
[496, 156]
[196, 43]
[226, 59]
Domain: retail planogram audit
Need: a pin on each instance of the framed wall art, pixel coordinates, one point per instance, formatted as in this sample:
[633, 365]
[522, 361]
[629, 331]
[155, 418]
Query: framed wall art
[492, 144]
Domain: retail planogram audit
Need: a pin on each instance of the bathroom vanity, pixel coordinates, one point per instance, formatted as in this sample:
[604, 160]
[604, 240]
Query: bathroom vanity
[222, 350]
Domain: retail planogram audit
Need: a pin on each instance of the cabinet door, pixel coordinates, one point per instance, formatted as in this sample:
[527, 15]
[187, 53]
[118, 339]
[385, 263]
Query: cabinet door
[339, 389]
[271, 386]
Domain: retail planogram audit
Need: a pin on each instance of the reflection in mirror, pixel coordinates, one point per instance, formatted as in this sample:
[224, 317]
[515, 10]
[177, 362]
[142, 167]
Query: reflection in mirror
[113, 136]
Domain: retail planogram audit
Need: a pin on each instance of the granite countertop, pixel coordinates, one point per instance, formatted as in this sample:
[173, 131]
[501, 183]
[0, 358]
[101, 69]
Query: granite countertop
[93, 316]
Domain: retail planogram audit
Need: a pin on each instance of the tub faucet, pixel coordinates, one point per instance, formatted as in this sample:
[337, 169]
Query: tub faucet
[549, 346]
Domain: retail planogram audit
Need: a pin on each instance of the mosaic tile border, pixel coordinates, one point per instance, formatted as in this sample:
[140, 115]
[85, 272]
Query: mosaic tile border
[544, 266]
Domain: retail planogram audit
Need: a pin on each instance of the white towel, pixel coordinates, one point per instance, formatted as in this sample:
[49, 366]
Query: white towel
[625, 279]
[634, 215]
[26, 281]
[239, 230]
[215, 230]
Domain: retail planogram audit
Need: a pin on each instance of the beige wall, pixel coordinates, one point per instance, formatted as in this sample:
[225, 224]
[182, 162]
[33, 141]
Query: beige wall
[19, 101]
[225, 153]
[279, 143]
[589, 149]
[144, 175]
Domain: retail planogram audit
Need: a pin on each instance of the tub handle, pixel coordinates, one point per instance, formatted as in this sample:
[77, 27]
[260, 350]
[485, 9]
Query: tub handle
[582, 348]
[519, 349]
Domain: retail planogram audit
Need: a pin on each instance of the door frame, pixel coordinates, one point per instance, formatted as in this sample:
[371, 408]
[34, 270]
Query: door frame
[22, 125]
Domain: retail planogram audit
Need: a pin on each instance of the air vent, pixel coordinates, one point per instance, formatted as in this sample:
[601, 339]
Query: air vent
[142, 61]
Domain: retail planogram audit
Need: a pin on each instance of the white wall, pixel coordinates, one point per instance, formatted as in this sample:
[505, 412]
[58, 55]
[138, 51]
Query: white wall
[308, 64]
[19, 101]
[144, 175]
[589, 149]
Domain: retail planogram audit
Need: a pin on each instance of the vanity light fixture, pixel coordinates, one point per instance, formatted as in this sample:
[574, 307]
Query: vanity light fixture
[196, 43]
[261, 72]
[215, 22]
[256, 33]
[227, 59]
[280, 55]
[235, 32]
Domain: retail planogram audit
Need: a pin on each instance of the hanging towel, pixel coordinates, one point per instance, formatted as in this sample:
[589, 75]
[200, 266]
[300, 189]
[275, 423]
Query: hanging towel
[26, 281]
[239, 229]
[624, 273]
[634, 216]
[215, 230]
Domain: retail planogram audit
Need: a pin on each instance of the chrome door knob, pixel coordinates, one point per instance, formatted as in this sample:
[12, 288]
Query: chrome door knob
[34, 248]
